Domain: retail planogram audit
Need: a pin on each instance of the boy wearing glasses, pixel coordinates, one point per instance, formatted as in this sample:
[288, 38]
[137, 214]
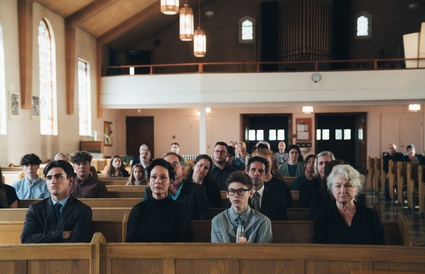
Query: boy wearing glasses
[240, 223]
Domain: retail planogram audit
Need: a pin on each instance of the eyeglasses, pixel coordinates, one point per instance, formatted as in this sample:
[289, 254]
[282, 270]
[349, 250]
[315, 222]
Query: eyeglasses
[220, 151]
[240, 191]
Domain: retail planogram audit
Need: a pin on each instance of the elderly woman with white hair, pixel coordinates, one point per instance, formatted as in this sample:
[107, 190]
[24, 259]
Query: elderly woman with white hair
[346, 221]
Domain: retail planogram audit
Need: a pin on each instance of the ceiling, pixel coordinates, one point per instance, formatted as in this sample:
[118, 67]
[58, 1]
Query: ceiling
[115, 23]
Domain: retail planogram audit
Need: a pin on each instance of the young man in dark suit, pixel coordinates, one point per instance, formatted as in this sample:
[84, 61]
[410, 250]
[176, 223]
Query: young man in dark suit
[61, 217]
[264, 199]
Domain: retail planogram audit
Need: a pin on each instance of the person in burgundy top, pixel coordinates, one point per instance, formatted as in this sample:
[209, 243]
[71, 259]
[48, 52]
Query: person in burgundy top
[84, 185]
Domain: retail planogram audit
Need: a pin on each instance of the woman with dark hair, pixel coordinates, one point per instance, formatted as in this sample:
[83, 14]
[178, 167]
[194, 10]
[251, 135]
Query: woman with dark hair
[137, 176]
[307, 177]
[293, 167]
[159, 219]
[200, 173]
[117, 168]
[8, 197]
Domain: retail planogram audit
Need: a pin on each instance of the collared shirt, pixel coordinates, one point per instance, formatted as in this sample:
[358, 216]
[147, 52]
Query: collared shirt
[260, 191]
[62, 202]
[175, 197]
[257, 227]
[89, 188]
[221, 175]
[27, 190]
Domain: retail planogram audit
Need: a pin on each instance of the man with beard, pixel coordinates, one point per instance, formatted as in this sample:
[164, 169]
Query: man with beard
[221, 170]
[264, 199]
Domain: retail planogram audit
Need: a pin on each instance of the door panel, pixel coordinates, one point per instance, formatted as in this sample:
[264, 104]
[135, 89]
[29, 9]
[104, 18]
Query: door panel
[411, 132]
[139, 131]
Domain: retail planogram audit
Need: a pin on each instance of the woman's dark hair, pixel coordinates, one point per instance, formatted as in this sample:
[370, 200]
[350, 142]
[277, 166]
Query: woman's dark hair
[111, 169]
[300, 156]
[197, 159]
[308, 158]
[164, 164]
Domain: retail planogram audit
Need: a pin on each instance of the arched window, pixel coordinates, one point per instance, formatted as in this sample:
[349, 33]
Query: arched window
[46, 65]
[363, 26]
[3, 99]
[84, 102]
[246, 30]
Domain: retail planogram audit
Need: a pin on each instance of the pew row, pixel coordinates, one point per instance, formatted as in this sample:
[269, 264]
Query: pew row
[292, 231]
[52, 258]
[173, 258]
[301, 231]
[421, 186]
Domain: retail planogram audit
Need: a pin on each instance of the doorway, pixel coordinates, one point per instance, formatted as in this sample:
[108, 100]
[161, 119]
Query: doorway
[139, 130]
[272, 128]
[343, 135]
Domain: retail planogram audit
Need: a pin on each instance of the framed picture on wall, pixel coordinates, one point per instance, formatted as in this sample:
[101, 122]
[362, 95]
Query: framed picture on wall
[35, 109]
[14, 105]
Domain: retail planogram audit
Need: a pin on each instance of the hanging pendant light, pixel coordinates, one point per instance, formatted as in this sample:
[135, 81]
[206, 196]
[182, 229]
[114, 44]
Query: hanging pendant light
[169, 7]
[199, 43]
[199, 38]
[186, 23]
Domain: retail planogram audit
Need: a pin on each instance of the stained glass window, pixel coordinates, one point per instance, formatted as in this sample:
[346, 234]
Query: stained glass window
[46, 65]
[363, 26]
[84, 105]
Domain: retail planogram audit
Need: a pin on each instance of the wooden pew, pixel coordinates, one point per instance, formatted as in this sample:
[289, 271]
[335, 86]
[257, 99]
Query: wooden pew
[111, 227]
[123, 191]
[288, 180]
[52, 258]
[382, 177]
[376, 175]
[94, 202]
[412, 185]
[369, 178]
[301, 231]
[293, 213]
[421, 186]
[113, 180]
[392, 179]
[401, 182]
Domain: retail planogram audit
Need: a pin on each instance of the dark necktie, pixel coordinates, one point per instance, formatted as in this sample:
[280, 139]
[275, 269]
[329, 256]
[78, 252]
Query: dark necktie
[240, 231]
[256, 201]
[58, 211]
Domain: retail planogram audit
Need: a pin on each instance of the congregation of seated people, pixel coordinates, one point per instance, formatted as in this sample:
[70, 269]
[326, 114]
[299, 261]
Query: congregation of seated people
[177, 193]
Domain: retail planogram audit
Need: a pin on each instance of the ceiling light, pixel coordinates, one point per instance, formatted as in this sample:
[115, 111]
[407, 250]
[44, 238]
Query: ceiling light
[169, 7]
[307, 109]
[186, 23]
[199, 38]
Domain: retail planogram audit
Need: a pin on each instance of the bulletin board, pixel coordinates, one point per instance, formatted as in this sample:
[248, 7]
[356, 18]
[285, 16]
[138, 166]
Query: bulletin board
[304, 127]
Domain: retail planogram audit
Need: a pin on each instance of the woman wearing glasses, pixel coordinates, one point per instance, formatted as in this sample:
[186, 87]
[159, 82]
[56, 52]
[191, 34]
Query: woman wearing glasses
[240, 223]
[159, 219]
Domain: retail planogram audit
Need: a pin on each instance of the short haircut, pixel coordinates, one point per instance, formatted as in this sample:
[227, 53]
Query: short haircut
[60, 155]
[231, 151]
[164, 164]
[411, 146]
[175, 143]
[144, 147]
[79, 157]
[258, 159]
[294, 147]
[239, 177]
[181, 159]
[221, 144]
[30, 159]
[67, 168]
[348, 172]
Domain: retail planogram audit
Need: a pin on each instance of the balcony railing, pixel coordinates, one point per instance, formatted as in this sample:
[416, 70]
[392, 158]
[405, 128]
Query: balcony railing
[241, 67]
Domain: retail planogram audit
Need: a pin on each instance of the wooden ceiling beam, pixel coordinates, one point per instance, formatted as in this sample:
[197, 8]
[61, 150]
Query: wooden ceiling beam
[71, 22]
[128, 24]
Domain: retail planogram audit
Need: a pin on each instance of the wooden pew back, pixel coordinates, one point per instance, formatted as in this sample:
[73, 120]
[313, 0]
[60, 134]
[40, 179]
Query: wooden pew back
[412, 185]
[376, 175]
[94, 202]
[421, 186]
[123, 191]
[392, 179]
[369, 178]
[401, 181]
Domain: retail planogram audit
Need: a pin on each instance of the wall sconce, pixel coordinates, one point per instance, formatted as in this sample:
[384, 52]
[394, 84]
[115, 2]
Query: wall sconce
[131, 70]
[414, 107]
[307, 109]
[208, 110]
